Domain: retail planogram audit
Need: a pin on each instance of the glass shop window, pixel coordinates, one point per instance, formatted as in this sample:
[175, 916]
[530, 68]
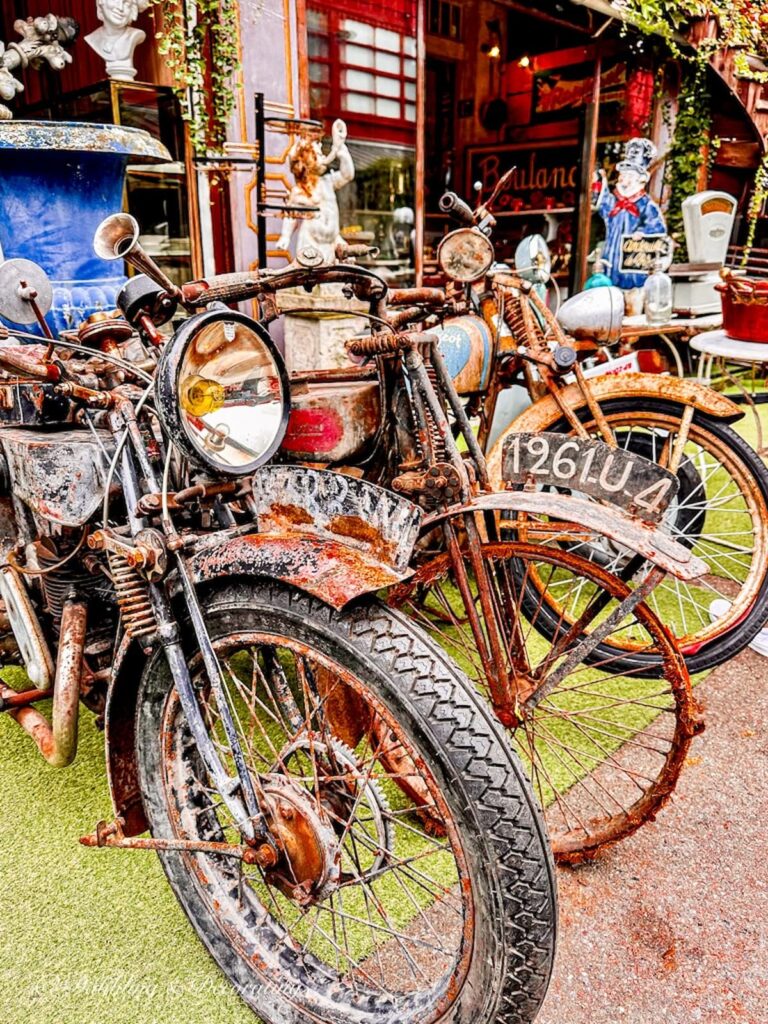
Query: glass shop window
[444, 19]
[359, 68]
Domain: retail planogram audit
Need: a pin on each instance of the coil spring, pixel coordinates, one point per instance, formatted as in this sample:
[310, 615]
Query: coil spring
[132, 595]
[513, 314]
[438, 441]
[526, 329]
[60, 583]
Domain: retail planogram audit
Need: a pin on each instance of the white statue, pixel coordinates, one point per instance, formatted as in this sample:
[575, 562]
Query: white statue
[316, 186]
[116, 39]
[42, 42]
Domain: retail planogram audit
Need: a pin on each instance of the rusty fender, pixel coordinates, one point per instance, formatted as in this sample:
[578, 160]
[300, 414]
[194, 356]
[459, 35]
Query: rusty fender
[329, 568]
[616, 524]
[545, 411]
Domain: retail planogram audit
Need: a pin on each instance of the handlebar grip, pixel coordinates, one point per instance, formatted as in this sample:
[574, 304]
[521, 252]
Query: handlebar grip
[222, 288]
[347, 250]
[416, 296]
[385, 344]
[458, 209]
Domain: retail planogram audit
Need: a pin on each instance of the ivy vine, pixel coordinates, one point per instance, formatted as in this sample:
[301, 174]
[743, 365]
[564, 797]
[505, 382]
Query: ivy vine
[690, 141]
[739, 23]
[198, 38]
[756, 204]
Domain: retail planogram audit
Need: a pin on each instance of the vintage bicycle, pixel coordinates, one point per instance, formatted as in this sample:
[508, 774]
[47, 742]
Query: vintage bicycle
[720, 510]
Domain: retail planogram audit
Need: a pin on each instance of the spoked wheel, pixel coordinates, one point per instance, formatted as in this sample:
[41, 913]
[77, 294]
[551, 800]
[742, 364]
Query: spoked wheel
[368, 915]
[720, 513]
[603, 746]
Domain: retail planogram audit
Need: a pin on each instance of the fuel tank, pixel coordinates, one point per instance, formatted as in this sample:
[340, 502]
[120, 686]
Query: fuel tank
[466, 344]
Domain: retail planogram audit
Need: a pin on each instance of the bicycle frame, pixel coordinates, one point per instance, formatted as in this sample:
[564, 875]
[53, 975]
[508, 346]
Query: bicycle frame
[466, 523]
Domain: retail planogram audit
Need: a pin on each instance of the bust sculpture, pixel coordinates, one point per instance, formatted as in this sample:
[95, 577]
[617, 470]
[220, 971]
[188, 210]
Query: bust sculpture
[116, 39]
[315, 188]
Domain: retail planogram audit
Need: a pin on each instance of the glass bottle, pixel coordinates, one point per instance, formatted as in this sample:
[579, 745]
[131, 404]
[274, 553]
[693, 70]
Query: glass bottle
[657, 297]
[599, 278]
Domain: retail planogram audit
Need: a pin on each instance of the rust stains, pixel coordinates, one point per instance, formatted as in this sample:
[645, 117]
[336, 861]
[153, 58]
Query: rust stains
[293, 515]
[358, 529]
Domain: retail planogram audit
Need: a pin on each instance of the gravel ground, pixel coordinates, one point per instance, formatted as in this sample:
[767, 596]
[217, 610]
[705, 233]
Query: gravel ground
[671, 927]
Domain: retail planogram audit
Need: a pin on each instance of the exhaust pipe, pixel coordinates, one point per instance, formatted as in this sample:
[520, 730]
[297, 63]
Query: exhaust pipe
[57, 741]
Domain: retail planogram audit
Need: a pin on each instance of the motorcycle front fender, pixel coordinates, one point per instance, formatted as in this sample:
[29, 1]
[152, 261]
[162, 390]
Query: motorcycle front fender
[325, 567]
[639, 386]
[609, 521]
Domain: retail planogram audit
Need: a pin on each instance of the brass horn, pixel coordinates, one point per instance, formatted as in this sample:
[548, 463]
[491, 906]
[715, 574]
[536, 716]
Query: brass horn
[117, 238]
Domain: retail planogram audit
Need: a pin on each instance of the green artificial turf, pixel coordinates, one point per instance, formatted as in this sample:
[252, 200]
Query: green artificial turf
[89, 935]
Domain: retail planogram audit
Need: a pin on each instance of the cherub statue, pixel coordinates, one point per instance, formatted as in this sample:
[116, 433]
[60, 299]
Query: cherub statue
[628, 210]
[42, 40]
[316, 186]
[116, 39]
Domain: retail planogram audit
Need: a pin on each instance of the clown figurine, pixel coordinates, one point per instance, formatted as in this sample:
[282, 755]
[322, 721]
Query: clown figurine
[628, 210]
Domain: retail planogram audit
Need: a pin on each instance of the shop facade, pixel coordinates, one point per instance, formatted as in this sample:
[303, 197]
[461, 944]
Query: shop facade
[436, 94]
[199, 213]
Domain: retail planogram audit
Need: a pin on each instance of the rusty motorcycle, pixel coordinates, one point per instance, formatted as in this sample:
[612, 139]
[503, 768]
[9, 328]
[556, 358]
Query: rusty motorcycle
[215, 609]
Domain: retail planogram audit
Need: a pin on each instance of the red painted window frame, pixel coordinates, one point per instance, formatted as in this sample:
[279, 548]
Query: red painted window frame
[370, 127]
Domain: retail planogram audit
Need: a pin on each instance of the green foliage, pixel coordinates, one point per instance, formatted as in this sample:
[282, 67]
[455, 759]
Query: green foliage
[740, 23]
[199, 42]
[686, 152]
[756, 204]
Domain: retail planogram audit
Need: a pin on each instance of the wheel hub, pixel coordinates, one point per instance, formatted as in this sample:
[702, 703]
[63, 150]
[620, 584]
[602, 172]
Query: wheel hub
[309, 867]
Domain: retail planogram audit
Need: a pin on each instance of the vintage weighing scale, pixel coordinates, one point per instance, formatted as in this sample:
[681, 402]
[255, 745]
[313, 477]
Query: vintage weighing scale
[708, 220]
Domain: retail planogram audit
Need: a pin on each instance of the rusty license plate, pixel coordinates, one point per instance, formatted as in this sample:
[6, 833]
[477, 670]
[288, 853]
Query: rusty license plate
[590, 467]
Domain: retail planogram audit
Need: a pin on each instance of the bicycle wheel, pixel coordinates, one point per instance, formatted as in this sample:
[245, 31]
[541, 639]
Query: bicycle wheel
[603, 746]
[720, 513]
[367, 916]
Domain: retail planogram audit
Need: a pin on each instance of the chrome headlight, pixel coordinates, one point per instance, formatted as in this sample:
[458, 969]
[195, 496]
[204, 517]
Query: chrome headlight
[223, 393]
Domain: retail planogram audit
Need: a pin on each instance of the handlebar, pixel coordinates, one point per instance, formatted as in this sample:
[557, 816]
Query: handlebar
[386, 344]
[356, 250]
[249, 285]
[222, 288]
[457, 208]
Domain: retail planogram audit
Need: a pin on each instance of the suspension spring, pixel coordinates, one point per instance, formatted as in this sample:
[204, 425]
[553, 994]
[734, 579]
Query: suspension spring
[438, 441]
[513, 314]
[132, 595]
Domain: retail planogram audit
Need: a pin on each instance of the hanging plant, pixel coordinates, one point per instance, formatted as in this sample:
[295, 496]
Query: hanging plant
[728, 24]
[686, 152]
[756, 204]
[198, 38]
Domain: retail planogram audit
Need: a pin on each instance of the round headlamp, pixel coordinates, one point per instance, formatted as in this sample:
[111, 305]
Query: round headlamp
[223, 393]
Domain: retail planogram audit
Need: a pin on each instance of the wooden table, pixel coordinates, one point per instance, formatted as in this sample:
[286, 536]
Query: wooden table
[678, 329]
